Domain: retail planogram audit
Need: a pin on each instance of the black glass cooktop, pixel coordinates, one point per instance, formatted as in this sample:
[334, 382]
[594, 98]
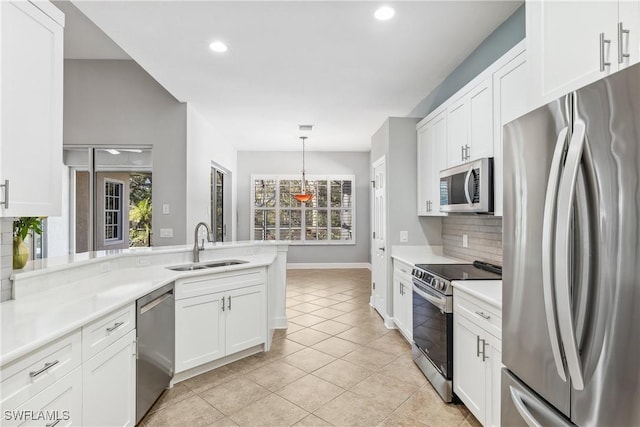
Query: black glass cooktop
[459, 272]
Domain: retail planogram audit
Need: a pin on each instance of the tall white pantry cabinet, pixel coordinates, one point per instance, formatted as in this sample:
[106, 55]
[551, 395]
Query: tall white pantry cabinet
[31, 94]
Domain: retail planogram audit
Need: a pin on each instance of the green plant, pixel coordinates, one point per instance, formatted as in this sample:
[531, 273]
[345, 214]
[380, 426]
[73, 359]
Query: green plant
[23, 225]
[140, 214]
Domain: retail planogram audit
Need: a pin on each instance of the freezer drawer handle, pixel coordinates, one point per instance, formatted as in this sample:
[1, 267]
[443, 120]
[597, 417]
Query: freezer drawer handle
[46, 367]
[522, 409]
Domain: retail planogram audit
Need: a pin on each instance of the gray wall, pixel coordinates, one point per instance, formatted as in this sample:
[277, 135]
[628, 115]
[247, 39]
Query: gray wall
[484, 234]
[115, 102]
[317, 163]
[507, 35]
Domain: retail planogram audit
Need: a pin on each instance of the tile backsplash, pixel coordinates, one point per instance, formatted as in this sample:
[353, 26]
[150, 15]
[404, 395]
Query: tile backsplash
[484, 234]
[6, 255]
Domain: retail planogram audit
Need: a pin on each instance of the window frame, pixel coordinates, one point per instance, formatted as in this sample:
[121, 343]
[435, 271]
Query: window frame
[303, 242]
[120, 211]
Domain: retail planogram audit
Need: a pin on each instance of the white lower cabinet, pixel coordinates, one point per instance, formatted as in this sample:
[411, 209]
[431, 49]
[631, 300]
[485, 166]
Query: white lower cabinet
[109, 385]
[402, 299]
[477, 357]
[221, 321]
[58, 405]
[199, 331]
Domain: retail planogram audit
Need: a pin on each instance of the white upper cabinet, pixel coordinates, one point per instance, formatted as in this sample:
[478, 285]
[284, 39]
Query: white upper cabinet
[31, 109]
[511, 101]
[572, 44]
[432, 146]
[470, 125]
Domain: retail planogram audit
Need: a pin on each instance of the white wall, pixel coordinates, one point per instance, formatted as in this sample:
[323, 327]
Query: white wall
[317, 163]
[204, 147]
[58, 226]
[116, 102]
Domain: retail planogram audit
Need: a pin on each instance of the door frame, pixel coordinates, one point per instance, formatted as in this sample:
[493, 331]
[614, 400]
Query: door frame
[383, 310]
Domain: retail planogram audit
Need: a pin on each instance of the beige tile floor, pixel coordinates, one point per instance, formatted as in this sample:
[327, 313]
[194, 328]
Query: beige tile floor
[336, 364]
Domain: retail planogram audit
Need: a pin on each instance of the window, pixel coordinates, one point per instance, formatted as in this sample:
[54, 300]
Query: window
[328, 218]
[113, 211]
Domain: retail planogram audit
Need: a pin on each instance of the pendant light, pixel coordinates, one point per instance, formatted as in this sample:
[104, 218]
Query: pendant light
[303, 196]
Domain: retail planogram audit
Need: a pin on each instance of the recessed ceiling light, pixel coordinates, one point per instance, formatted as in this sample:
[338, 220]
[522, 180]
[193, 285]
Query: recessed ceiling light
[384, 13]
[218, 46]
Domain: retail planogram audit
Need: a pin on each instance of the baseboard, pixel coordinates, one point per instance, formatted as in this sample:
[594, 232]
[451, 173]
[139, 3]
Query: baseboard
[327, 265]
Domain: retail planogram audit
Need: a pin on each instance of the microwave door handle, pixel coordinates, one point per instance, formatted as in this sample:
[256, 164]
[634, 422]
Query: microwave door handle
[466, 185]
[566, 196]
[548, 227]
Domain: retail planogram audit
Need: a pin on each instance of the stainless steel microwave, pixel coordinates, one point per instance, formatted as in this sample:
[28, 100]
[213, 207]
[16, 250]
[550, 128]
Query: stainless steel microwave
[468, 188]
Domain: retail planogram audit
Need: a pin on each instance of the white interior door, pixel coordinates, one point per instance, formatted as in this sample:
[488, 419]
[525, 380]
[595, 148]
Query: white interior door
[378, 246]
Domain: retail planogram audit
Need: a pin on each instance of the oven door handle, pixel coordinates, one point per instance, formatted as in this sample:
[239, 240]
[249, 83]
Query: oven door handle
[441, 303]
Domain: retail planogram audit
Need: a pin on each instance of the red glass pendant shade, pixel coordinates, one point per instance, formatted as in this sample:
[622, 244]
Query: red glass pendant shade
[303, 197]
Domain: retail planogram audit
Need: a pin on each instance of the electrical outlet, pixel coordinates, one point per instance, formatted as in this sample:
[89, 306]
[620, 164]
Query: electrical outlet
[165, 209]
[166, 232]
[404, 236]
[465, 241]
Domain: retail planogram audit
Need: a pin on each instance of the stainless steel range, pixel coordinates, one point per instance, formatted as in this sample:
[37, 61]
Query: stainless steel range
[433, 318]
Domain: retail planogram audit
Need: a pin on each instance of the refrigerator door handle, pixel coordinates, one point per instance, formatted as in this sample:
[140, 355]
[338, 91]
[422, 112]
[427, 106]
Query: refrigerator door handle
[566, 196]
[522, 409]
[548, 226]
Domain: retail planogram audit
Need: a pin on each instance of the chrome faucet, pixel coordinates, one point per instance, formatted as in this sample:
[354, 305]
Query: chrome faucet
[196, 247]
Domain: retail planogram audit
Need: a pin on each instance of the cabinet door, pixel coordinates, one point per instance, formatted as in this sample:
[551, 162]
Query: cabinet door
[109, 385]
[407, 301]
[398, 304]
[438, 161]
[199, 330]
[61, 401]
[246, 320]
[629, 20]
[481, 121]
[469, 369]
[457, 131]
[31, 111]
[510, 102]
[493, 378]
[564, 45]
[424, 172]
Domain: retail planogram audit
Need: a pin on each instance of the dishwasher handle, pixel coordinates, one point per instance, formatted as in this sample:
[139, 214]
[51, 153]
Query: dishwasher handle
[159, 300]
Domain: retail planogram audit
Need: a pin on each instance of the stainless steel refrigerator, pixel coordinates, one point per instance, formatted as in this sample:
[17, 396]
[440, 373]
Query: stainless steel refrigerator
[571, 277]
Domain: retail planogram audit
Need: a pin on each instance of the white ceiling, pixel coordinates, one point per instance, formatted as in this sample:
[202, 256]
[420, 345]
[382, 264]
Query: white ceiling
[327, 63]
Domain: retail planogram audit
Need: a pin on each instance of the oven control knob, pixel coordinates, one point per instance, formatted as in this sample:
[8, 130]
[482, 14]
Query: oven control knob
[441, 286]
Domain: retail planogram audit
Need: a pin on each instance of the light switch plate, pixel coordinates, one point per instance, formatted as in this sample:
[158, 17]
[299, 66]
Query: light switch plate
[165, 208]
[404, 236]
[166, 232]
[465, 241]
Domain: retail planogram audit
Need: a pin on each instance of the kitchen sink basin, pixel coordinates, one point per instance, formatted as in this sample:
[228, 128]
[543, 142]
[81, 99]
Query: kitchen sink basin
[206, 265]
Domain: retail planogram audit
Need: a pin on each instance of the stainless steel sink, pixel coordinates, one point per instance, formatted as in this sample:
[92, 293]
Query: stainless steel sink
[206, 265]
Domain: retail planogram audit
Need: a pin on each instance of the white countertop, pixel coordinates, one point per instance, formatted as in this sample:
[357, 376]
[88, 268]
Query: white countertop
[30, 322]
[423, 255]
[489, 291]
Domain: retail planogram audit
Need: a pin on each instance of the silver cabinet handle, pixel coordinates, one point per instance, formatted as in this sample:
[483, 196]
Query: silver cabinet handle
[484, 350]
[6, 194]
[53, 424]
[484, 316]
[115, 326]
[462, 152]
[45, 368]
[229, 307]
[222, 303]
[477, 345]
[603, 63]
[621, 33]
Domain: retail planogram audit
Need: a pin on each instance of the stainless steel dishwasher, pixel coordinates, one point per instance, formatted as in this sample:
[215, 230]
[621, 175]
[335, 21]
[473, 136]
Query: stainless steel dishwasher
[155, 314]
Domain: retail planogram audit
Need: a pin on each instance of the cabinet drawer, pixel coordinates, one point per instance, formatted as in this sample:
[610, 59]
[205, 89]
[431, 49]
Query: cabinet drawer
[482, 314]
[22, 379]
[402, 269]
[103, 332]
[219, 282]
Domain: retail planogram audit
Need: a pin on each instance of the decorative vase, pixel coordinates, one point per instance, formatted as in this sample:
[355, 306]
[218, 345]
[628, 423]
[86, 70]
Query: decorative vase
[20, 253]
